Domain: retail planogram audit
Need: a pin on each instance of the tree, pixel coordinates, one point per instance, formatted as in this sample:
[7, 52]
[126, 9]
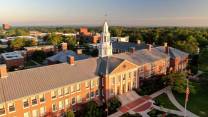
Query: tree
[18, 43]
[54, 39]
[39, 56]
[92, 110]
[113, 104]
[178, 82]
[71, 41]
[70, 114]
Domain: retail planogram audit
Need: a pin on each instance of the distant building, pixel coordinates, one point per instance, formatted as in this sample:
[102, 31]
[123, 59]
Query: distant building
[84, 32]
[14, 59]
[6, 26]
[120, 39]
[45, 48]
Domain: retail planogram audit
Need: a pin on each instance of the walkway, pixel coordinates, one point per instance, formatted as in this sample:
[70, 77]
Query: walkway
[133, 103]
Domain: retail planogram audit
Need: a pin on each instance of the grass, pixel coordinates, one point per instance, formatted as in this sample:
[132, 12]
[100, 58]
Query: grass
[197, 103]
[164, 101]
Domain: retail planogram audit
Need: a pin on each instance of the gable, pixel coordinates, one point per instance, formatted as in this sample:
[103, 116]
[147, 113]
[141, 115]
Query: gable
[124, 66]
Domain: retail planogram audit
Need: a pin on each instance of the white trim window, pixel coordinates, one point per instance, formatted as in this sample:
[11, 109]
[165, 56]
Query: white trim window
[60, 92]
[34, 100]
[73, 101]
[11, 107]
[42, 98]
[92, 83]
[54, 94]
[87, 84]
[54, 107]
[35, 113]
[66, 90]
[61, 105]
[78, 87]
[67, 103]
[27, 114]
[25, 103]
[73, 88]
[2, 109]
[42, 111]
[79, 99]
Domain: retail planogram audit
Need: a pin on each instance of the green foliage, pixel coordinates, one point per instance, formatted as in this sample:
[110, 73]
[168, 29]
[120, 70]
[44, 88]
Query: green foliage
[39, 56]
[113, 104]
[19, 43]
[71, 41]
[70, 114]
[54, 39]
[190, 45]
[131, 115]
[203, 61]
[92, 110]
[178, 82]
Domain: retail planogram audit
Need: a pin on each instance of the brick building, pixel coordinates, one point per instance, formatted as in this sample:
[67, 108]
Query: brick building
[6, 26]
[50, 90]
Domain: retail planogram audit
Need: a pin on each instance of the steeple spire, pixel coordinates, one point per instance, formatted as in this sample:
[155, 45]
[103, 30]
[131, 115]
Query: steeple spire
[105, 47]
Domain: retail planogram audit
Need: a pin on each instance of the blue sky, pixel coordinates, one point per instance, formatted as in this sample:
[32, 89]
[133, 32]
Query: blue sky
[92, 12]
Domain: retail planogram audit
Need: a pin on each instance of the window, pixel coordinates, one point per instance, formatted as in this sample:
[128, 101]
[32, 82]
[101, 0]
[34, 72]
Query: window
[26, 114]
[97, 82]
[61, 105]
[78, 86]
[92, 94]
[135, 73]
[87, 84]
[119, 79]
[54, 94]
[66, 103]
[129, 74]
[102, 92]
[92, 84]
[73, 87]
[11, 107]
[2, 109]
[73, 100]
[35, 113]
[25, 103]
[97, 92]
[54, 108]
[42, 111]
[60, 92]
[42, 98]
[66, 90]
[79, 99]
[34, 100]
[124, 77]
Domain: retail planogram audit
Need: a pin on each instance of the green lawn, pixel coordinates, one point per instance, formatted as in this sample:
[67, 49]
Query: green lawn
[165, 102]
[198, 103]
[29, 63]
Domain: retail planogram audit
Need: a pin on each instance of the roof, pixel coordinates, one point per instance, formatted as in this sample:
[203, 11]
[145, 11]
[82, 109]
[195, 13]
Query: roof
[36, 80]
[108, 64]
[124, 46]
[173, 52]
[62, 56]
[13, 55]
[143, 56]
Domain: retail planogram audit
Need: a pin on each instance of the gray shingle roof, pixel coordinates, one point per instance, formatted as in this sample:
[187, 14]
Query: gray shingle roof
[124, 46]
[62, 56]
[31, 81]
[173, 52]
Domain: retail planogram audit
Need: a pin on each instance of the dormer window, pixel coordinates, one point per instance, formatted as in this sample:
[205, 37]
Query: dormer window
[2, 109]
[11, 107]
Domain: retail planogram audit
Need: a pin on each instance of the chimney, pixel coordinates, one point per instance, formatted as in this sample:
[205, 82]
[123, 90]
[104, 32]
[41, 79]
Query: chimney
[149, 47]
[3, 71]
[71, 60]
[79, 51]
[64, 46]
[132, 49]
[138, 41]
[166, 48]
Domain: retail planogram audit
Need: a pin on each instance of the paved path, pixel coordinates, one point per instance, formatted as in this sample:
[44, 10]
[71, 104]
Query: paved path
[164, 90]
[168, 110]
[178, 105]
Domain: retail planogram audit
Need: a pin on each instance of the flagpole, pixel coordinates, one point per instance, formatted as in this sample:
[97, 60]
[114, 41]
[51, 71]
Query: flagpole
[186, 97]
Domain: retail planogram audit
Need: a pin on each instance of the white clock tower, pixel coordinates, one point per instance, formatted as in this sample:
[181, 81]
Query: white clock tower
[105, 47]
